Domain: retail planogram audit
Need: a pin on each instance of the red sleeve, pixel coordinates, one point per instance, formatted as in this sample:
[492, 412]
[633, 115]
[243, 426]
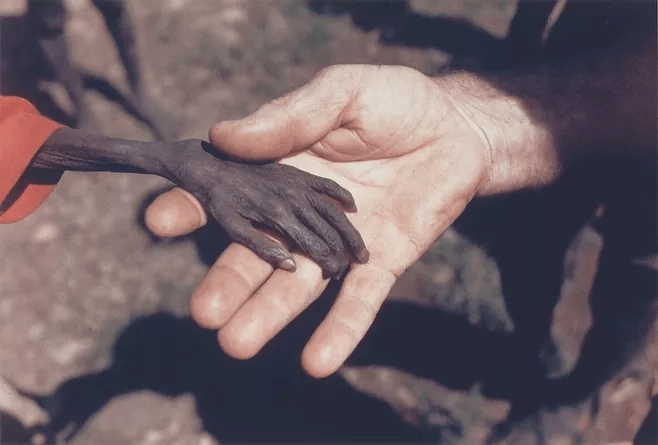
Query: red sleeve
[22, 132]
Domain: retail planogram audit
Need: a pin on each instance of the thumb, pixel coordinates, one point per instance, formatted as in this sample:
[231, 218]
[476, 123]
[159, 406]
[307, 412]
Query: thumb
[175, 213]
[291, 123]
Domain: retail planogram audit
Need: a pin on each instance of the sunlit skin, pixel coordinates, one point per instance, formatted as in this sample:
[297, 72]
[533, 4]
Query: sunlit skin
[413, 151]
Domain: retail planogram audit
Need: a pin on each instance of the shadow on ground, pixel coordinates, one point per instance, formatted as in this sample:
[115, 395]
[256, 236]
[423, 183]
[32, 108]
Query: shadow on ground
[23, 70]
[270, 398]
[266, 399]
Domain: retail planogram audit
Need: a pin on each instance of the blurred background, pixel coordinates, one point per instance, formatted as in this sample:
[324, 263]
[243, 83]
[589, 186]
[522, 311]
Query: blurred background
[93, 309]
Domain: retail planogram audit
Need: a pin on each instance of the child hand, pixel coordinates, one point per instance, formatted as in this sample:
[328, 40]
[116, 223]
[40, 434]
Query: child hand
[244, 197]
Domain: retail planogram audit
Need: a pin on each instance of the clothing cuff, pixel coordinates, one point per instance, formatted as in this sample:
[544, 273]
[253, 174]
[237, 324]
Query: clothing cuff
[21, 136]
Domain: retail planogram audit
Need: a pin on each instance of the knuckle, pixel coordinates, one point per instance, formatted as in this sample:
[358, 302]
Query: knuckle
[292, 194]
[331, 71]
[319, 251]
[278, 210]
[333, 240]
[279, 102]
[317, 201]
[326, 72]
[333, 213]
[330, 184]
[331, 267]
[336, 266]
[250, 206]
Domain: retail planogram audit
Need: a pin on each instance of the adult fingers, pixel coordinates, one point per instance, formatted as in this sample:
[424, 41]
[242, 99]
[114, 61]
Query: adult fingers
[234, 277]
[275, 304]
[293, 122]
[175, 213]
[364, 290]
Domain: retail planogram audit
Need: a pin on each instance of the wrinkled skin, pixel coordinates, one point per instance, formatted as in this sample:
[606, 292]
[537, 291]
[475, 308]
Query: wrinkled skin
[272, 196]
[301, 207]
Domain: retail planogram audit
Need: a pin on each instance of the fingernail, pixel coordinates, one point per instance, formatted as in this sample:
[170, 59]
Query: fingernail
[363, 256]
[353, 209]
[288, 264]
[203, 218]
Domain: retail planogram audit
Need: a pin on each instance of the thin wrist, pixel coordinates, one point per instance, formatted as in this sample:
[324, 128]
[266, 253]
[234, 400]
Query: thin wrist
[176, 163]
[76, 150]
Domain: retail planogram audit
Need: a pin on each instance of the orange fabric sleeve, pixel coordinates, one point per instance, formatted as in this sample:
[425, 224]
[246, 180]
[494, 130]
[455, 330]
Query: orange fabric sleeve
[22, 133]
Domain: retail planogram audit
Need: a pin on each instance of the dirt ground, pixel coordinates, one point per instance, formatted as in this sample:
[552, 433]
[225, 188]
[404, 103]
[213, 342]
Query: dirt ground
[93, 311]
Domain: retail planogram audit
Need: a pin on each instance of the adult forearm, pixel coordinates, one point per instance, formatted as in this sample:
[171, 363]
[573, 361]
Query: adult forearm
[76, 150]
[537, 119]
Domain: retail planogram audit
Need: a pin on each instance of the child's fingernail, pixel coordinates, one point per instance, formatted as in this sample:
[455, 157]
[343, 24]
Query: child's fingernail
[288, 264]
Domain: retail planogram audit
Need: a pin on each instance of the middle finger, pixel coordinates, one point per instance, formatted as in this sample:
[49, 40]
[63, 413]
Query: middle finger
[234, 277]
[277, 302]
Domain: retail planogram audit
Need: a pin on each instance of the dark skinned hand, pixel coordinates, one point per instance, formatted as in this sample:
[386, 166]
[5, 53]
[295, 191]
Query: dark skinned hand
[244, 198]
[241, 197]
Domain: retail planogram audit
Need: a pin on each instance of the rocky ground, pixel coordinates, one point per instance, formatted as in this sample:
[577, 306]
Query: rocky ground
[93, 310]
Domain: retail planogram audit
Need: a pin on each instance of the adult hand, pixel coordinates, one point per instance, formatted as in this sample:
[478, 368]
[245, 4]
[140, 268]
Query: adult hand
[411, 152]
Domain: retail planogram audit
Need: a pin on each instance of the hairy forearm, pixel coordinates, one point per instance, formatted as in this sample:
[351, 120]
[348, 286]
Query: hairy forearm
[76, 150]
[537, 119]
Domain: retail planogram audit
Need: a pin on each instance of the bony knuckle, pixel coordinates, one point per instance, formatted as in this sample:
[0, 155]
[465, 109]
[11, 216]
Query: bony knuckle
[336, 266]
[291, 194]
[317, 201]
[332, 71]
[321, 252]
[333, 240]
[330, 184]
[278, 210]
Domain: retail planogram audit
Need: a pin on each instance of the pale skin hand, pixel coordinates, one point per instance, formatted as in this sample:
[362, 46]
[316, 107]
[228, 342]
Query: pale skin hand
[396, 223]
[413, 151]
[406, 199]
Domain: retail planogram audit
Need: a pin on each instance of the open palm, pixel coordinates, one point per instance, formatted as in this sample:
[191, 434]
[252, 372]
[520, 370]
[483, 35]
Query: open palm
[395, 140]
[404, 202]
